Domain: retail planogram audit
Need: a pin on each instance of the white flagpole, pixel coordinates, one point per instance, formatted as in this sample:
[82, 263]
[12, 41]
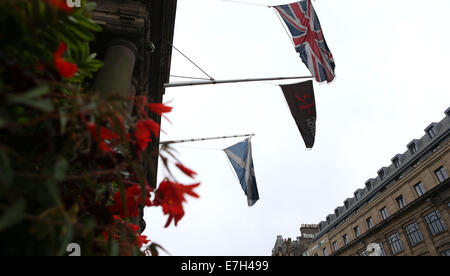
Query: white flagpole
[204, 139]
[180, 84]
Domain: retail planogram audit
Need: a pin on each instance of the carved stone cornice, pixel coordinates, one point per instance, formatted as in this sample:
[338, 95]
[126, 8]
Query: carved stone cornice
[122, 16]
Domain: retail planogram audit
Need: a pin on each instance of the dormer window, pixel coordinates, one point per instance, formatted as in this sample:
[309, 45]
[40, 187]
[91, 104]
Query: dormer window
[431, 132]
[336, 212]
[357, 196]
[381, 174]
[346, 204]
[412, 148]
[328, 220]
[369, 185]
[396, 162]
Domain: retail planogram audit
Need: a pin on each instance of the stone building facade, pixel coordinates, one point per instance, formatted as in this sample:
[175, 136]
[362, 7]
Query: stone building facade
[289, 247]
[405, 210]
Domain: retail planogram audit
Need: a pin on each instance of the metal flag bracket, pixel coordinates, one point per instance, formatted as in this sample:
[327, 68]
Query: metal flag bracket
[204, 139]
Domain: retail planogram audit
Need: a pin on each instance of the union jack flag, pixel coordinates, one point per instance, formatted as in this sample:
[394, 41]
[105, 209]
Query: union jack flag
[307, 35]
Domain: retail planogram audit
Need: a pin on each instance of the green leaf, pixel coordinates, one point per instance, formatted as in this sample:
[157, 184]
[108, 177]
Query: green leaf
[63, 120]
[37, 92]
[45, 105]
[30, 99]
[13, 215]
[82, 32]
[68, 37]
[88, 23]
[88, 74]
[95, 63]
[92, 56]
[60, 169]
[53, 189]
[84, 51]
[77, 78]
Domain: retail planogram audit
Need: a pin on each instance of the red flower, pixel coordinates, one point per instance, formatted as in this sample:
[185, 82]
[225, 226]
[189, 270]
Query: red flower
[141, 102]
[141, 240]
[159, 108]
[153, 126]
[133, 198]
[170, 195]
[119, 124]
[186, 171]
[61, 5]
[144, 128]
[134, 228]
[105, 236]
[65, 68]
[110, 233]
[105, 134]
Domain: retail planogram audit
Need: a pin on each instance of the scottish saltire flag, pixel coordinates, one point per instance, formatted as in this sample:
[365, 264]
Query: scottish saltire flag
[240, 156]
[309, 42]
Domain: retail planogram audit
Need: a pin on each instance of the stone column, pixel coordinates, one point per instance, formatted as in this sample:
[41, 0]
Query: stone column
[116, 75]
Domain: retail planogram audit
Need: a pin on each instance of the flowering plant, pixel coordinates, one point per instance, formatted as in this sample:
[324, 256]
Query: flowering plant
[72, 162]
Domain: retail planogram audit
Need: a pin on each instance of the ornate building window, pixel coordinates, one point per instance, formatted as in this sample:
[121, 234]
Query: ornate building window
[445, 252]
[383, 252]
[396, 162]
[412, 148]
[420, 190]
[345, 239]
[441, 174]
[400, 202]
[396, 244]
[381, 174]
[435, 223]
[384, 213]
[369, 222]
[357, 232]
[414, 234]
[335, 246]
[431, 132]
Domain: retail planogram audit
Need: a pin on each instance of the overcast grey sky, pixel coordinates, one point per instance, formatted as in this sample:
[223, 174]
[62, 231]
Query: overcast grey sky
[392, 61]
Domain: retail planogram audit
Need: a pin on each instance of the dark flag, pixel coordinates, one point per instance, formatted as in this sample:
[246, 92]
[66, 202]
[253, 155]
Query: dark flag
[300, 98]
